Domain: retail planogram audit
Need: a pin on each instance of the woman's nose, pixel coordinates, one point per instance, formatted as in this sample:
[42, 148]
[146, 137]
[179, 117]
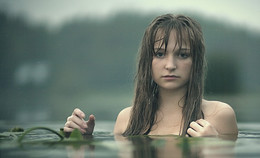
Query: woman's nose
[170, 63]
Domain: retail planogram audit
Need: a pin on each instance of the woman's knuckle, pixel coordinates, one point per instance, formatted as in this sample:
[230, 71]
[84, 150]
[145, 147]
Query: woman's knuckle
[69, 123]
[69, 118]
[66, 129]
[77, 110]
[192, 123]
[208, 126]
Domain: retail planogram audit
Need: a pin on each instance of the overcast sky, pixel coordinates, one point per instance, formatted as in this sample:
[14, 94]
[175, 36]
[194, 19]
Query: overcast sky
[55, 12]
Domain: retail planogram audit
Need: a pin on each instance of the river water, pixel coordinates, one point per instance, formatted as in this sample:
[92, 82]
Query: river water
[103, 144]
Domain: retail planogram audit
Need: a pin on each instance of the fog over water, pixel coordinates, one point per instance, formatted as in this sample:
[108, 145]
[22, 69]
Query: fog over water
[59, 55]
[55, 13]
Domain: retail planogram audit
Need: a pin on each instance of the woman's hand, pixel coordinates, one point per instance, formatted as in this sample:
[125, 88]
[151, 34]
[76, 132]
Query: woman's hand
[201, 128]
[76, 120]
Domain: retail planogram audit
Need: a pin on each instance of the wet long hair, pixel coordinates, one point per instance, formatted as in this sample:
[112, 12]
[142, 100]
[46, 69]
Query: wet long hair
[146, 99]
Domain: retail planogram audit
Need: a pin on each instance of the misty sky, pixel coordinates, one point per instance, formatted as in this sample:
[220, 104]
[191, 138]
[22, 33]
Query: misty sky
[55, 12]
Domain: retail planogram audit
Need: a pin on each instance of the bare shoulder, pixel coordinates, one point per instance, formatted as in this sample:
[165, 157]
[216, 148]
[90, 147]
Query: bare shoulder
[122, 120]
[221, 115]
[216, 108]
[125, 113]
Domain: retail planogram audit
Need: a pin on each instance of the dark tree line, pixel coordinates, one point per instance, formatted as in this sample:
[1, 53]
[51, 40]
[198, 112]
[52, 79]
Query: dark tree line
[86, 54]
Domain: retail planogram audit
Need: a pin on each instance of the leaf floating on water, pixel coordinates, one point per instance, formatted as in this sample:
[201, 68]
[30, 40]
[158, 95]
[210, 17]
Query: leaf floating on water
[37, 128]
[16, 129]
[11, 134]
[75, 135]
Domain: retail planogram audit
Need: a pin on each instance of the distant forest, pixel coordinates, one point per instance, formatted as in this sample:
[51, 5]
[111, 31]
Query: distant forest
[87, 54]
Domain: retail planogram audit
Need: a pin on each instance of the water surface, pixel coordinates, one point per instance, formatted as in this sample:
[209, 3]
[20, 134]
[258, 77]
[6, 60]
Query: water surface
[103, 144]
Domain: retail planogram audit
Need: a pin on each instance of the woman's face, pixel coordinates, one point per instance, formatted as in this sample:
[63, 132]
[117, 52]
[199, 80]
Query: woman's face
[171, 68]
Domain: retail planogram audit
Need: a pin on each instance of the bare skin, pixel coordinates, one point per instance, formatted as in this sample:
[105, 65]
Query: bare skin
[171, 71]
[220, 121]
[171, 68]
[77, 121]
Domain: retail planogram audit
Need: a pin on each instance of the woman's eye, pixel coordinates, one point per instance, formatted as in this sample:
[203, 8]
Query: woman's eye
[184, 55]
[159, 54]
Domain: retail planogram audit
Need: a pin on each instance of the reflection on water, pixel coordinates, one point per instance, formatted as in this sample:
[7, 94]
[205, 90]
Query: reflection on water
[105, 144]
[156, 146]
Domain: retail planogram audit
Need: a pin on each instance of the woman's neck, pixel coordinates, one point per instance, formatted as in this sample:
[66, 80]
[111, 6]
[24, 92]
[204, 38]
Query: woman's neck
[171, 100]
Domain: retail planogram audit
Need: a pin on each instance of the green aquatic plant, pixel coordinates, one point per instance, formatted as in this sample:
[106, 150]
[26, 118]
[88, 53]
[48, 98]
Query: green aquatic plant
[74, 138]
[16, 129]
[39, 128]
[19, 134]
[11, 134]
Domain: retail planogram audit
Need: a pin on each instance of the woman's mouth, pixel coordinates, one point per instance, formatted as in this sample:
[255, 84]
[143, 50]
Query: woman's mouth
[170, 77]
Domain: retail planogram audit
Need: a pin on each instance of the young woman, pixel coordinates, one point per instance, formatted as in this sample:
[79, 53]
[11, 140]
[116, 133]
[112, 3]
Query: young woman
[169, 87]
